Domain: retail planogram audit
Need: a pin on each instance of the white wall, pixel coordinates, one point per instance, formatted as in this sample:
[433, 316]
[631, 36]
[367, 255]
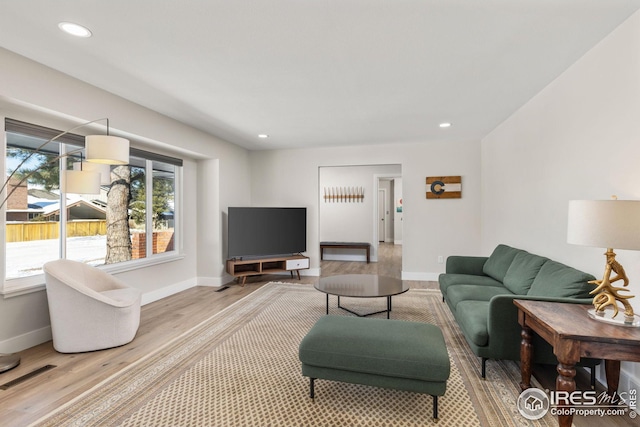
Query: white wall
[431, 227]
[216, 174]
[577, 139]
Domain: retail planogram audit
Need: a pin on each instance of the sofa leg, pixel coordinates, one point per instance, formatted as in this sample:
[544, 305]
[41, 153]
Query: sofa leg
[484, 368]
[593, 378]
[435, 407]
[311, 390]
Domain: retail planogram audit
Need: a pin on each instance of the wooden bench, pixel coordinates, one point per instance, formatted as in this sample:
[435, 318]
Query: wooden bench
[345, 245]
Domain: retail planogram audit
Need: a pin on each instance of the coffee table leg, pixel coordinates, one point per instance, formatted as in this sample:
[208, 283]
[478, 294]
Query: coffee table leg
[327, 303]
[388, 306]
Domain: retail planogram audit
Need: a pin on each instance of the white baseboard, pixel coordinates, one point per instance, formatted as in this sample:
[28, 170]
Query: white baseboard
[25, 341]
[158, 294]
[422, 276]
[214, 281]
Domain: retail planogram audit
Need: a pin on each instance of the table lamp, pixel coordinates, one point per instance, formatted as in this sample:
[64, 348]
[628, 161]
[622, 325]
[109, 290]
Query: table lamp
[608, 224]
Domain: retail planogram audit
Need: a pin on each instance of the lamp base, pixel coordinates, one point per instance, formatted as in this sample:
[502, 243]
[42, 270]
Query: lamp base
[606, 316]
[8, 361]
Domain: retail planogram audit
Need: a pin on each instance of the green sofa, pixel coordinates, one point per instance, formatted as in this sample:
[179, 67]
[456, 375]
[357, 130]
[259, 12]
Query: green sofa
[480, 293]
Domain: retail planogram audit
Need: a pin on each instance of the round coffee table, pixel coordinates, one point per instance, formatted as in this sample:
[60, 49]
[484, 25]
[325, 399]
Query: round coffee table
[361, 286]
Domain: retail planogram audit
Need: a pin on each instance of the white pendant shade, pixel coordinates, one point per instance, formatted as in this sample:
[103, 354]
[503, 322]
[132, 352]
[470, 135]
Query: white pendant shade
[107, 149]
[605, 223]
[102, 168]
[82, 182]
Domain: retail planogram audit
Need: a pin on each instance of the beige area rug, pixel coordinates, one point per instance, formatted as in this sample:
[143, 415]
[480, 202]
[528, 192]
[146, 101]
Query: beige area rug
[241, 368]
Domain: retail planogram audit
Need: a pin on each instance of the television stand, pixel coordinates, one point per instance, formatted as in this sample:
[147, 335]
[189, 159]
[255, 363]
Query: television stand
[240, 269]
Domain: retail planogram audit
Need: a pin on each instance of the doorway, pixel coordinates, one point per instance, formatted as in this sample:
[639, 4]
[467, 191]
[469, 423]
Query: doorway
[382, 215]
[358, 219]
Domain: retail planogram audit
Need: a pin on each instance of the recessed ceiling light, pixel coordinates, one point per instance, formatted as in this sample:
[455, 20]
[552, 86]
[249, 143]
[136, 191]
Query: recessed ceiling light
[263, 135]
[74, 29]
[445, 125]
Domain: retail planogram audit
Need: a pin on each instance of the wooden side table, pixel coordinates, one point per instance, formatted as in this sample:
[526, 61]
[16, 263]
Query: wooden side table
[573, 334]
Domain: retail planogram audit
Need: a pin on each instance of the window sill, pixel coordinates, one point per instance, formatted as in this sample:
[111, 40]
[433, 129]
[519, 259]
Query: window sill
[26, 285]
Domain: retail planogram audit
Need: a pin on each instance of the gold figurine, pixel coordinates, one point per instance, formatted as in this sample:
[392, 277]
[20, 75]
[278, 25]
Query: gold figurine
[609, 295]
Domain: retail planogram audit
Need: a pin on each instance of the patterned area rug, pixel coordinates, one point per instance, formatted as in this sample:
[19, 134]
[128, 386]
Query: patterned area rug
[241, 368]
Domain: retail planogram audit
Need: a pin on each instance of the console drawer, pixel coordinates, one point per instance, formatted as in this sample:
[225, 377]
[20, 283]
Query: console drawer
[297, 264]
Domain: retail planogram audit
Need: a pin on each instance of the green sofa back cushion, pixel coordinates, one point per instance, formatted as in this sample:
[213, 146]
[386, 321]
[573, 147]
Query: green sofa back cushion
[522, 271]
[499, 261]
[558, 280]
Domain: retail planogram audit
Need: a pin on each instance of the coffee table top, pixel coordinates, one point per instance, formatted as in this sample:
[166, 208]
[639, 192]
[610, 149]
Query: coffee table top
[361, 285]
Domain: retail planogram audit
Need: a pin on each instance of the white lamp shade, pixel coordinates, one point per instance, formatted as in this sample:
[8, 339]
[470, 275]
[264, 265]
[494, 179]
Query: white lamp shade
[82, 182]
[102, 168]
[604, 223]
[111, 150]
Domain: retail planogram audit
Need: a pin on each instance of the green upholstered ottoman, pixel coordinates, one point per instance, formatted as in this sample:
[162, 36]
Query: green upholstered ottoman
[392, 354]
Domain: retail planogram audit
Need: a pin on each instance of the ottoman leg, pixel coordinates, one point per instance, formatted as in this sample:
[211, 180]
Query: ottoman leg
[311, 391]
[435, 407]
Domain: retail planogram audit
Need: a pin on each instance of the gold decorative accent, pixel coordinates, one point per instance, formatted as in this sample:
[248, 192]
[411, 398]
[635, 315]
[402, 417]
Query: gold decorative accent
[608, 295]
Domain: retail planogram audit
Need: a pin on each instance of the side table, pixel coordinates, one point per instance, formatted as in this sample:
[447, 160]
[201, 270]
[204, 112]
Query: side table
[573, 334]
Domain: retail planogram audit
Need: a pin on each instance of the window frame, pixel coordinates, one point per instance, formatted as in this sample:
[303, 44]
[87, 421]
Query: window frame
[11, 287]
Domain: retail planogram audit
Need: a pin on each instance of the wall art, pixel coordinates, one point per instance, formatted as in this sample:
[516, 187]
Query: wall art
[444, 187]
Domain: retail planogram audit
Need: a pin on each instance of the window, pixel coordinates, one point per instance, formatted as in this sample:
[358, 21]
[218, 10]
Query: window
[132, 218]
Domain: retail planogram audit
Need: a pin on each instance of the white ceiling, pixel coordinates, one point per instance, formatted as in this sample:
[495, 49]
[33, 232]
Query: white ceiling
[318, 72]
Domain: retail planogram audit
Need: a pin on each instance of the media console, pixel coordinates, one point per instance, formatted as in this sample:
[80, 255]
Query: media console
[241, 268]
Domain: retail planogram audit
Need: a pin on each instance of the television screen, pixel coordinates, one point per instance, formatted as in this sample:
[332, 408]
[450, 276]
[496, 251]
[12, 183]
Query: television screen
[261, 232]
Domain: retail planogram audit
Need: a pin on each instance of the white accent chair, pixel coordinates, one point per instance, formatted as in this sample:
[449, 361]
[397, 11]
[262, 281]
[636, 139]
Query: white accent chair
[89, 309]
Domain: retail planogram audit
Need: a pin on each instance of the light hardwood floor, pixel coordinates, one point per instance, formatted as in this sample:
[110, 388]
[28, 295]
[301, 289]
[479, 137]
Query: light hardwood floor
[162, 321]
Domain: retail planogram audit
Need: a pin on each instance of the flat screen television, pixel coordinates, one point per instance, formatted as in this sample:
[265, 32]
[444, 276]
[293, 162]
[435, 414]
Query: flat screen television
[262, 232]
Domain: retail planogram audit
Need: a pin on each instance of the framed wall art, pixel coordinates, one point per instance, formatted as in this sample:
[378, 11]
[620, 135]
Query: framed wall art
[444, 187]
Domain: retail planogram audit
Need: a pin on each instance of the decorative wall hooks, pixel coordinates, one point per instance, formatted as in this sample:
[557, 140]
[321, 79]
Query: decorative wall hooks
[444, 187]
[344, 194]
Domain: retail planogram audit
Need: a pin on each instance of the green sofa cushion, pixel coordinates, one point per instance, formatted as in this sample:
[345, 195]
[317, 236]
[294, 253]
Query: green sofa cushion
[522, 271]
[499, 261]
[459, 293]
[472, 317]
[460, 264]
[392, 348]
[559, 280]
[447, 280]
